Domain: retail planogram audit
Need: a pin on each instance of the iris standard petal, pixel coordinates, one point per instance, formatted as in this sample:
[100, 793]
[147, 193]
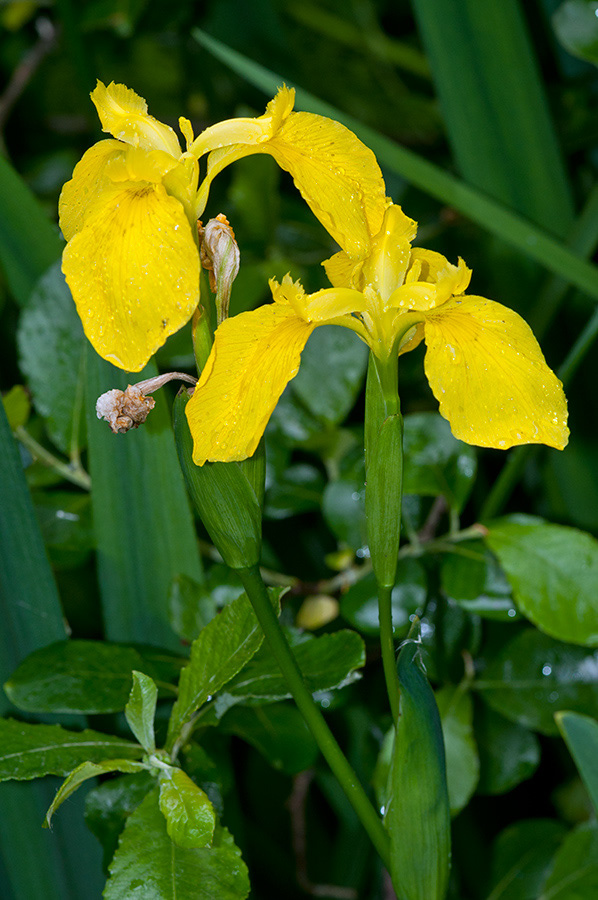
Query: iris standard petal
[255, 355]
[123, 114]
[88, 181]
[488, 373]
[133, 271]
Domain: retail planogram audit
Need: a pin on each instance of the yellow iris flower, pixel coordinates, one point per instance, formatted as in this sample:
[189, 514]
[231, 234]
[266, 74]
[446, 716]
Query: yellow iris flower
[482, 361]
[129, 213]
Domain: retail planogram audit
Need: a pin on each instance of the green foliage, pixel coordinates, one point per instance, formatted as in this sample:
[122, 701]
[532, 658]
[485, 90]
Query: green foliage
[581, 736]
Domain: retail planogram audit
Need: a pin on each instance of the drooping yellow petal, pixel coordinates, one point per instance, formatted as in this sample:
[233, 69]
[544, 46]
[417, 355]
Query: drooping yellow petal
[88, 181]
[124, 115]
[255, 355]
[133, 270]
[488, 373]
[330, 303]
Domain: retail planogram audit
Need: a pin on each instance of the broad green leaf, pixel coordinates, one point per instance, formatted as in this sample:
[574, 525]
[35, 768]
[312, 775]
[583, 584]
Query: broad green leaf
[417, 817]
[522, 856]
[191, 607]
[581, 736]
[509, 753]
[141, 709]
[533, 676]
[576, 26]
[76, 677]
[144, 529]
[66, 525]
[147, 856]
[574, 873]
[436, 463]
[359, 605]
[190, 817]
[108, 806]
[326, 662]
[434, 180]
[32, 751]
[51, 353]
[472, 577]
[28, 243]
[224, 646]
[17, 406]
[343, 502]
[278, 731]
[297, 490]
[462, 761]
[83, 773]
[553, 571]
[346, 360]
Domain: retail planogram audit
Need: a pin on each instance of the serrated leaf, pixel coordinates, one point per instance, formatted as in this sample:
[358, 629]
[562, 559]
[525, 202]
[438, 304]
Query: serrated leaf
[108, 806]
[224, 646]
[76, 677]
[190, 606]
[83, 773]
[32, 751]
[574, 873]
[147, 856]
[141, 709]
[533, 676]
[462, 761]
[326, 662]
[581, 736]
[554, 572]
[51, 347]
[190, 817]
[473, 578]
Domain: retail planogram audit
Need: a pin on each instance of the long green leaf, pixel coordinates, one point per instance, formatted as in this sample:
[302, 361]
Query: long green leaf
[495, 110]
[490, 215]
[581, 736]
[144, 529]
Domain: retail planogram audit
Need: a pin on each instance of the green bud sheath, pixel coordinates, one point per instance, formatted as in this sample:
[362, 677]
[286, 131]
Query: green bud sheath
[227, 496]
[418, 816]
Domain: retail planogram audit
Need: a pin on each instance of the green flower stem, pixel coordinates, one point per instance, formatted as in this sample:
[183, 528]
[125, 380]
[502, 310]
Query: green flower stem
[383, 497]
[256, 591]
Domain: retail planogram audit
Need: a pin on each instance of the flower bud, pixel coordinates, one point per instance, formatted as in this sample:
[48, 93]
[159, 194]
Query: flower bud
[220, 257]
[130, 408]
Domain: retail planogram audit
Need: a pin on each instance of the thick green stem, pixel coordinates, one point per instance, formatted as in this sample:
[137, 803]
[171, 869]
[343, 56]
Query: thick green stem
[256, 591]
[384, 485]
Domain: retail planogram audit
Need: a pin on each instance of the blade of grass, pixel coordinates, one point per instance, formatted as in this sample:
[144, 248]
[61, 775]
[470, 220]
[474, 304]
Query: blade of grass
[490, 215]
[142, 518]
[494, 106]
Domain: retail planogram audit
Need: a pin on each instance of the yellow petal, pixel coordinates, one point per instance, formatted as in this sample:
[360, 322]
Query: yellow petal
[433, 268]
[344, 270]
[255, 355]
[123, 114]
[488, 373]
[133, 271]
[88, 181]
[319, 307]
[386, 264]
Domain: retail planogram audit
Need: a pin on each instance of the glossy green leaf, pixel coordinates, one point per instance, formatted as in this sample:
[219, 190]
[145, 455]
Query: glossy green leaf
[436, 463]
[76, 677]
[145, 533]
[359, 605]
[574, 873]
[576, 26]
[553, 571]
[108, 806]
[433, 180]
[509, 753]
[533, 676]
[147, 856]
[141, 709]
[417, 816]
[297, 490]
[345, 359]
[224, 646]
[191, 607]
[581, 736]
[343, 503]
[32, 751]
[190, 817]
[278, 731]
[472, 577]
[51, 354]
[83, 773]
[326, 662]
[522, 856]
[28, 243]
[462, 762]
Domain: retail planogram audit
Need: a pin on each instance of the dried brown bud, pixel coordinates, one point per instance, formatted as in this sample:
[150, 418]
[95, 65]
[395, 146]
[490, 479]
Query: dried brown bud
[124, 410]
[220, 257]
